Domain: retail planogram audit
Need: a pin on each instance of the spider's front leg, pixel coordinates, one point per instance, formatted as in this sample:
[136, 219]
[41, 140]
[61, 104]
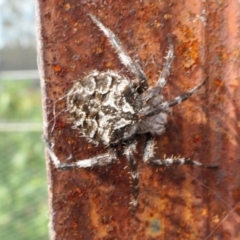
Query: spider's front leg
[132, 65]
[148, 157]
[165, 106]
[98, 161]
[162, 80]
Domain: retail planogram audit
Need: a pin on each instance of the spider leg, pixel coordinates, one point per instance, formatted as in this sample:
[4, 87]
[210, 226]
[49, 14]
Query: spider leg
[126, 60]
[129, 152]
[164, 107]
[186, 95]
[98, 161]
[148, 157]
[162, 80]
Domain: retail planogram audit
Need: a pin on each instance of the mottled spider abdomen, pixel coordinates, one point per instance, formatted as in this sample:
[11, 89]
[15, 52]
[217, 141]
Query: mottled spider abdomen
[104, 107]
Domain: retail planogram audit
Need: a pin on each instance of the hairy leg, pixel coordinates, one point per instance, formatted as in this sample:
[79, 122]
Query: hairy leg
[126, 60]
[165, 106]
[129, 152]
[162, 80]
[148, 157]
[98, 161]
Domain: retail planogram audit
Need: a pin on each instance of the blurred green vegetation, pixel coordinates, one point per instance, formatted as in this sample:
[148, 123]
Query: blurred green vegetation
[23, 186]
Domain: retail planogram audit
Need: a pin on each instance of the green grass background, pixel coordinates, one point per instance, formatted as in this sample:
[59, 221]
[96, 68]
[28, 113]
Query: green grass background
[23, 185]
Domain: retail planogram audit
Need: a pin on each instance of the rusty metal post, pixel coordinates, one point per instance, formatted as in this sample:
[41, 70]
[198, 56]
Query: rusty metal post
[174, 203]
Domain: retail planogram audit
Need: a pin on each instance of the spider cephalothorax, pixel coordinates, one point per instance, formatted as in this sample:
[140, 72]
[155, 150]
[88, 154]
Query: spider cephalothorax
[108, 108]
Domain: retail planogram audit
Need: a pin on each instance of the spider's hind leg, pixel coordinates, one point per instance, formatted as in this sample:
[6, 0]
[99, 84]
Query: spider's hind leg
[98, 161]
[148, 157]
[129, 152]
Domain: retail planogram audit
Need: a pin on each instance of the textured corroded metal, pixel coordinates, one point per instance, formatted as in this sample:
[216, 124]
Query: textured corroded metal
[179, 203]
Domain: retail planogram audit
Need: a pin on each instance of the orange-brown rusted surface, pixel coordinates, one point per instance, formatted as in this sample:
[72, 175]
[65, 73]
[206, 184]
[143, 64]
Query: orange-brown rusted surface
[174, 203]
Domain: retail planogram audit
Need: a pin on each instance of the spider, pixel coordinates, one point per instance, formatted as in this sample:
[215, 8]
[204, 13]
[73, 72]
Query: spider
[110, 109]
